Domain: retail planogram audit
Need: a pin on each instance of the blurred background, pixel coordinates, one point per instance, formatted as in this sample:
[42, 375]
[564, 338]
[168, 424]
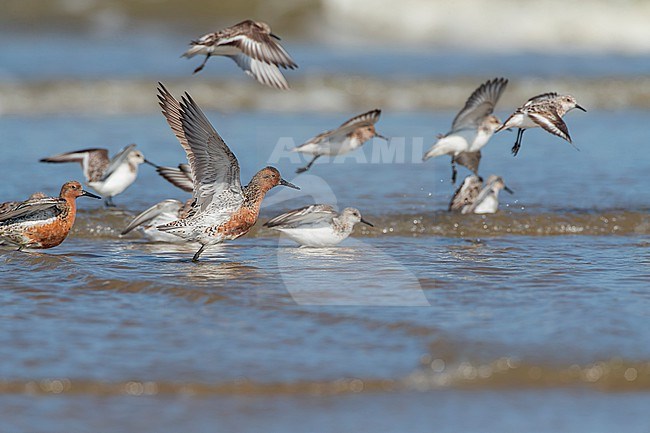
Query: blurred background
[538, 316]
[105, 56]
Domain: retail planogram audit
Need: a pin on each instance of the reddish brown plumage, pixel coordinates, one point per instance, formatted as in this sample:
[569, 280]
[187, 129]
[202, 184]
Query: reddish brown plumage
[25, 230]
[246, 217]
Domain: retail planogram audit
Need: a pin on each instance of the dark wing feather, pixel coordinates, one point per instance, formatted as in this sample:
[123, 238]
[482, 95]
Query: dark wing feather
[540, 98]
[93, 161]
[552, 123]
[471, 160]
[214, 166]
[180, 177]
[29, 208]
[368, 118]
[305, 215]
[257, 43]
[480, 104]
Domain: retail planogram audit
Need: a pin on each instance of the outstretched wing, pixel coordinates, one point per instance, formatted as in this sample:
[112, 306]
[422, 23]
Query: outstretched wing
[480, 104]
[552, 123]
[315, 214]
[471, 160]
[368, 118]
[180, 177]
[214, 167]
[117, 161]
[265, 73]
[33, 208]
[170, 207]
[257, 43]
[93, 161]
[365, 119]
[540, 98]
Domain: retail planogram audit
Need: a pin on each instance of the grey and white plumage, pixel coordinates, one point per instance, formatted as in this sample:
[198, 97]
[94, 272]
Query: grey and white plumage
[5, 206]
[180, 177]
[161, 213]
[317, 225]
[545, 111]
[251, 45]
[351, 135]
[108, 176]
[472, 197]
[472, 128]
[221, 208]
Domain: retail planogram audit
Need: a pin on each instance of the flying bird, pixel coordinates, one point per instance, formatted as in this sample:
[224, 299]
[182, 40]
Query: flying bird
[471, 129]
[252, 46]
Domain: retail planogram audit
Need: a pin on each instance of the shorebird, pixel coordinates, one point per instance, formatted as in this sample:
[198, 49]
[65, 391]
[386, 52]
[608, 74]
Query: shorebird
[167, 210]
[317, 225]
[161, 213]
[545, 110]
[222, 209]
[252, 46]
[42, 222]
[346, 138]
[471, 129]
[12, 204]
[472, 197]
[108, 177]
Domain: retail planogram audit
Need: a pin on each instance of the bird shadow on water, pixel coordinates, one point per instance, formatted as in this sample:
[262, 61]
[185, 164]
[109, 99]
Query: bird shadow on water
[356, 273]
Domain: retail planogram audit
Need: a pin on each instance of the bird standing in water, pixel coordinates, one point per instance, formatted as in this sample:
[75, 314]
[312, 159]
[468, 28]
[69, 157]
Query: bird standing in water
[109, 177]
[222, 209]
[42, 222]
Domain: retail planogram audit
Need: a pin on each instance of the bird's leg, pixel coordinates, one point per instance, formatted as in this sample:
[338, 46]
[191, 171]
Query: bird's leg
[515, 148]
[198, 253]
[109, 201]
[454, 172]
[308, 166]
[207, 56]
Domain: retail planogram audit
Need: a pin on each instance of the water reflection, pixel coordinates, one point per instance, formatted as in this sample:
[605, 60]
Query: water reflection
[355, 273]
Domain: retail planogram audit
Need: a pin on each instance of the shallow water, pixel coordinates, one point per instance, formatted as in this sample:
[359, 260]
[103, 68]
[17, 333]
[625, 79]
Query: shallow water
[540, 309]
[534, 319]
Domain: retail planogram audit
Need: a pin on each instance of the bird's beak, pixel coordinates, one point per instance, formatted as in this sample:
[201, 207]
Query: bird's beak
[505, 188]
[275, 36]
[366, 222]
[580, 108]
[378, 135]
[289, 184]
[89, 194]
[146, 161]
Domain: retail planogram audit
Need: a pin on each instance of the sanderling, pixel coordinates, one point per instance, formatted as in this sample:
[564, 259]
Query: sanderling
[42, 222]
[250, 44]
[159, 214]
[317, 225]
[472, 128]
[222, 209]
[12, 204]
[472, 197]
[109, 177]
[346, 138]
[545, 110]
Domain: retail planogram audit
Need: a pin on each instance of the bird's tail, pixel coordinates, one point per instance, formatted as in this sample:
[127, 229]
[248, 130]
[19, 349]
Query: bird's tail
[440, 148]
